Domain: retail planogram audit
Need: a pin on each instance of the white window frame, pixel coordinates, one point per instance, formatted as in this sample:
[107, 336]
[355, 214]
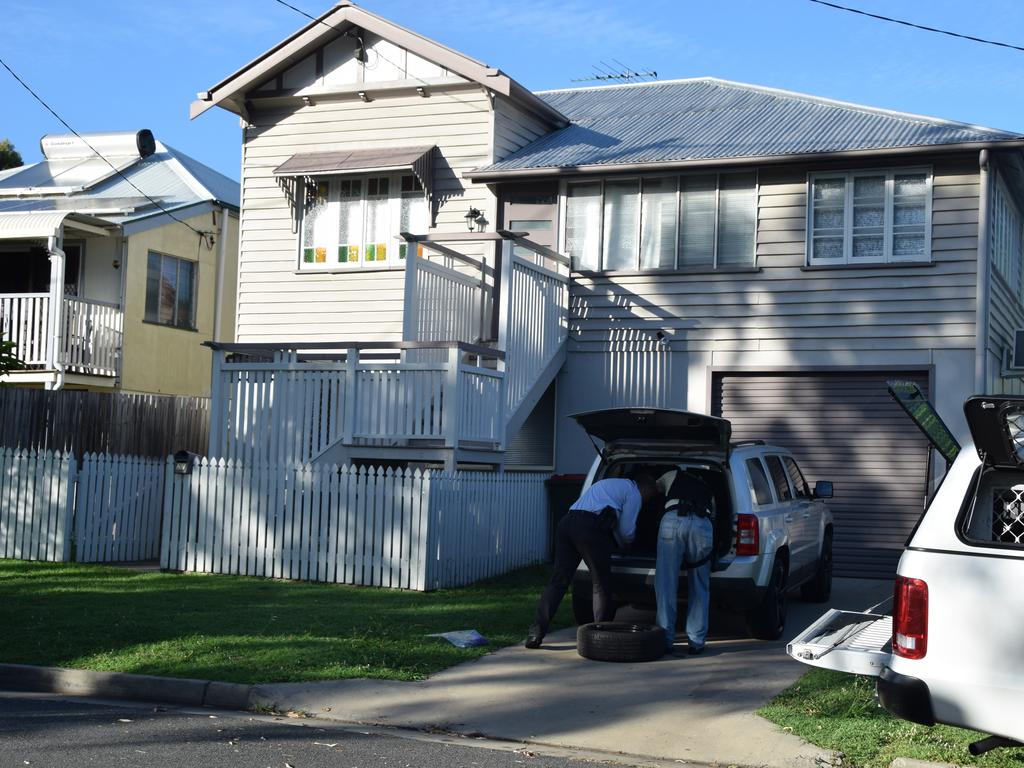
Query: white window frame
[847, 258]
[563, 204]
[393, 261]
[1015, 280]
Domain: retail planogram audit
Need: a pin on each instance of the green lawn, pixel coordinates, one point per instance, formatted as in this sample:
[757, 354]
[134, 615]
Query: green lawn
[249, 630]
[838, 711]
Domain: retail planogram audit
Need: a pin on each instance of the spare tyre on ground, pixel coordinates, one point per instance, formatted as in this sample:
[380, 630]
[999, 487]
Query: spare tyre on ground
[620, 641]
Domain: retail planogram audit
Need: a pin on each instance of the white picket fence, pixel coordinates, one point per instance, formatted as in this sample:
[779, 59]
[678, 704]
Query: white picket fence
[110, 507]
[407, 529]
[372, 527]
[117, 509]
[36, 497]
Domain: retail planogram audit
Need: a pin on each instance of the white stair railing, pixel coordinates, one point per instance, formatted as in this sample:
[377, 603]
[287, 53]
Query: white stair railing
[533, 327]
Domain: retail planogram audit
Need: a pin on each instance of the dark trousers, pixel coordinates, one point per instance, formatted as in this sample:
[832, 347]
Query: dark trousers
[579, 536]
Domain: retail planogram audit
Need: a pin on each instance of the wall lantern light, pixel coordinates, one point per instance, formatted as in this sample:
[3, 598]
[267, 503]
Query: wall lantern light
[474, 218]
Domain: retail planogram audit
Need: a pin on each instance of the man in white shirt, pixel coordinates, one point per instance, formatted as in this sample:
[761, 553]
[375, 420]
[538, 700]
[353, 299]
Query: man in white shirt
[603, 517]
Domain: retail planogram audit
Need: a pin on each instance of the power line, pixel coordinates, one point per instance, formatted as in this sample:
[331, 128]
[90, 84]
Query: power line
[919, 26]
[113, 167]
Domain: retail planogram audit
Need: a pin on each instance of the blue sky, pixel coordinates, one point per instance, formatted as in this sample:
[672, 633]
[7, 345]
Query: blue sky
[120, 65]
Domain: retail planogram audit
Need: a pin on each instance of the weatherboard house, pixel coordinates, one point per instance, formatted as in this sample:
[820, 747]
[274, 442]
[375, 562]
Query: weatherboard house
[119, 258]
[438, 265]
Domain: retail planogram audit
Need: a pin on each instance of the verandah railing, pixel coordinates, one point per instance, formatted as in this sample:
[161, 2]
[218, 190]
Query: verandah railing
[88, 336]
[290, 403]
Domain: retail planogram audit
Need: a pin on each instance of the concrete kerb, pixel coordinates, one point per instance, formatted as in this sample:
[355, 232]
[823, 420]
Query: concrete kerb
[119, 685]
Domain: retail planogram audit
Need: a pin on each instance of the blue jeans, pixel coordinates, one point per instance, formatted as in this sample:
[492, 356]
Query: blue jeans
[692, 537]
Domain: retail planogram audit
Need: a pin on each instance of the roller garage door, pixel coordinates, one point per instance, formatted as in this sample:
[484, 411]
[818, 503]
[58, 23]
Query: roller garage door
[842, 427]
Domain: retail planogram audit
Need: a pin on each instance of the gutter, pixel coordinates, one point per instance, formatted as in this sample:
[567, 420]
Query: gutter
[485, 176]
[984, 279]
[57, 265]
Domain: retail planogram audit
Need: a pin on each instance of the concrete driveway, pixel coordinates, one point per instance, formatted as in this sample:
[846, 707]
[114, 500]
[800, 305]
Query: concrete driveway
[696, 710]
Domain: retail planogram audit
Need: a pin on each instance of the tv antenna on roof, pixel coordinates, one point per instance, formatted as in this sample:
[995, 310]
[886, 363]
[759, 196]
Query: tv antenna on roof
[605, 72]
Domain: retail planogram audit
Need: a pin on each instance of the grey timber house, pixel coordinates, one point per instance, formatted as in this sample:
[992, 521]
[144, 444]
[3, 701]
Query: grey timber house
[438, 265]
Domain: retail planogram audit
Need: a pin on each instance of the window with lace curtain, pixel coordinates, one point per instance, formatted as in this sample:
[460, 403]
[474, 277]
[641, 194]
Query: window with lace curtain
[869, 217]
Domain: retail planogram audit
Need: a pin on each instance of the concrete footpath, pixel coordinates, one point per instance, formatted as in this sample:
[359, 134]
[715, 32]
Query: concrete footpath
[691, 709]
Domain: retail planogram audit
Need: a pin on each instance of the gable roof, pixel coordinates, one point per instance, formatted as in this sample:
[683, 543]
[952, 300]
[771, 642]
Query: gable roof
[168, 176]
[230, 92]
[706, 121]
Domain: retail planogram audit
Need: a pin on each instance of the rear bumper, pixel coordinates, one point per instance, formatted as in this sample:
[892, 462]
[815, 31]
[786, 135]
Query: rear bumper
[636, 586]
[906, 697]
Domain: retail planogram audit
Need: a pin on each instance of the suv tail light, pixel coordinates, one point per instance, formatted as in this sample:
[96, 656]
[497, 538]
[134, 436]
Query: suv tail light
[910, 618]
[748, 538]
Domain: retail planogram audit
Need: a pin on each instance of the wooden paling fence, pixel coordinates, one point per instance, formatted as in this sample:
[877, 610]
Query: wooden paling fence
[117, 509]
[78, 422]
[36, 497]
[374, 527]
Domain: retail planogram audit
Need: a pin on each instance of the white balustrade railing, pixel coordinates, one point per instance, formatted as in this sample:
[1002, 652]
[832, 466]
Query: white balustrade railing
[25, 320]
[443, 303]
[90, 332]
[290, 405]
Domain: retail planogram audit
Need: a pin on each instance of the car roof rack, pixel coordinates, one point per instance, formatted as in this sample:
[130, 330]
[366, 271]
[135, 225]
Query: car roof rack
[741, 443]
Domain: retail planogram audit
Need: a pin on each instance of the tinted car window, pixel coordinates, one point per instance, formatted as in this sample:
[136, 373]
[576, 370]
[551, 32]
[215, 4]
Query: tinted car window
[759, 486]
[796, 479]
[779, 478]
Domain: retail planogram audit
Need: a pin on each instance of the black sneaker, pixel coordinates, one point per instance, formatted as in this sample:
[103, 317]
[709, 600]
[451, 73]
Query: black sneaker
[694, 650]
[533, 641]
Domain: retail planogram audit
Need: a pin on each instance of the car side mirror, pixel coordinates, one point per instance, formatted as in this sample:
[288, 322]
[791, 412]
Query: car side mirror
[823, 489]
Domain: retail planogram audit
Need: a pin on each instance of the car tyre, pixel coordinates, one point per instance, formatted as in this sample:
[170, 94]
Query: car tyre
[620, 641]
[768, 620]
[819, 588]
[582, 604]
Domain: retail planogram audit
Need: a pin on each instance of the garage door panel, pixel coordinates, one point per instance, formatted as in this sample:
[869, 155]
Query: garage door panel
[842, 427]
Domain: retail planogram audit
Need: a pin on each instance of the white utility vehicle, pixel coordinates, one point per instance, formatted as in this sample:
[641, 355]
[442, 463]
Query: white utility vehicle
[772, 532]
[953, 649]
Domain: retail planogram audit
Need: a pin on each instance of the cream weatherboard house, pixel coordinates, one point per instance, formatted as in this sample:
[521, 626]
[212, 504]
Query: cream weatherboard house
[438, 265]
[120, 258]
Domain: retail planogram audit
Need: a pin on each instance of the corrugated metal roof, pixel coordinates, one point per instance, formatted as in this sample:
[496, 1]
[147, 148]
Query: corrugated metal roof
[708, 119]
[36, 225]
[171, 178]
[352, 160]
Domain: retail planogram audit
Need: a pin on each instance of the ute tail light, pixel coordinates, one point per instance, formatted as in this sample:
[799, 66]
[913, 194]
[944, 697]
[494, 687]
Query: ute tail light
[748, 539]
[910, 618]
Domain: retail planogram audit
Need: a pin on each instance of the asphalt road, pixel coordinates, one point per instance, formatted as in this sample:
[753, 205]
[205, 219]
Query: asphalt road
[49, 732]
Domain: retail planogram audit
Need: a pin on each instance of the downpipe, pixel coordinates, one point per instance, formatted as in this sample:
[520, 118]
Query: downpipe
[984, 279]
[58, 261]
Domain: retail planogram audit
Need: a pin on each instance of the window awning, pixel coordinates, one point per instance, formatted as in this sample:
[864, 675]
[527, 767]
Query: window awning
[36, 225]
[420, 160]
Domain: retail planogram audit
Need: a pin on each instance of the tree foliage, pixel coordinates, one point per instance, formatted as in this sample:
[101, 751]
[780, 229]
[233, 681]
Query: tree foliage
[9, 157]
[8, 360]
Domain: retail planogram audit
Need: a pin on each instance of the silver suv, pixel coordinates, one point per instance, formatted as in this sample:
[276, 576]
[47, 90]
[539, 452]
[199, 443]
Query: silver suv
[772, 532]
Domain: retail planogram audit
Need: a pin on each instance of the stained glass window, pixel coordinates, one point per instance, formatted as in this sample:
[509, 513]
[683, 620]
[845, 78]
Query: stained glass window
[352, 222]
